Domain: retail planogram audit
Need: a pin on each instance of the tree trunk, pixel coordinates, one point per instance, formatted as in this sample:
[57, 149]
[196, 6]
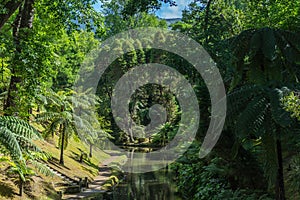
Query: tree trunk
[91, 151]
[61, 160]
[81, 157]
[206, 19]
[21, 188]
[280, 192]
[11, 7]
[22, 22]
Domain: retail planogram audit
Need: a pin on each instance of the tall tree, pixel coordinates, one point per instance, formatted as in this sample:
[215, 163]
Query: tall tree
[35, 40]
[21, 28]
[267, 60]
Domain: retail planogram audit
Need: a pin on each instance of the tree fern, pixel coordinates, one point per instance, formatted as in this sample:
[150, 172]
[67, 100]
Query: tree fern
[267, 48]
[269, 58]
[17, 135]
[238, 99]
[268, 43]
[59, 119]
[16, 140]
[251, 119]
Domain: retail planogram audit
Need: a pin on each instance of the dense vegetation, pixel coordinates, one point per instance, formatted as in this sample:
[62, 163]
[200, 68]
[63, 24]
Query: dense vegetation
[255, 44]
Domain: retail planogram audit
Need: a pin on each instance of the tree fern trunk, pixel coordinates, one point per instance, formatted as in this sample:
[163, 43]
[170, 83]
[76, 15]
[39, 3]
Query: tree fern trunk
[206, 19]
[61, 160]
[91, 151]
[280, 192]
[21, 188]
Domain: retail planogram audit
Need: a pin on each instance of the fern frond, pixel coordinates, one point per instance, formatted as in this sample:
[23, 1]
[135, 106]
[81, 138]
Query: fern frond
[27, 143]
[46, 116]
[10, 142]
[238, 99]
[251, 119]
[19, 126]
[42, 168]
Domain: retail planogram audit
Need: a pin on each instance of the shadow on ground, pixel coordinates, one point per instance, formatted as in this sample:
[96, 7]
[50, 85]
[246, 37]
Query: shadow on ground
[6, 190]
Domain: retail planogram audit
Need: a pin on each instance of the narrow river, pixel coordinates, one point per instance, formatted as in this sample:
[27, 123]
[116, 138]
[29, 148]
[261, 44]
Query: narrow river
[158, 185]
[154, 185]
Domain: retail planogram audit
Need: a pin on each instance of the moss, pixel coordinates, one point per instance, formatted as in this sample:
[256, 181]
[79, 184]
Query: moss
[113, 180]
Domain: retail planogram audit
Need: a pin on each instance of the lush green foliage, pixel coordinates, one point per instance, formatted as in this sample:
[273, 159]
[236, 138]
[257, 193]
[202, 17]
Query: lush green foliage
[255, 44]
[17, 142]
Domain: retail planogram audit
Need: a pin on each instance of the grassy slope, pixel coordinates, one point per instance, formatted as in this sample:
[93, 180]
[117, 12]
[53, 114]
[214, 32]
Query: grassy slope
[72, 167]
[41, 186]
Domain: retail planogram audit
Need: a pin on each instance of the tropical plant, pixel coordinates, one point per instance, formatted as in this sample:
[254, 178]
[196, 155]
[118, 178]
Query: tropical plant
[291, 103]
[59, 119]
[266, 60]
[17, 143]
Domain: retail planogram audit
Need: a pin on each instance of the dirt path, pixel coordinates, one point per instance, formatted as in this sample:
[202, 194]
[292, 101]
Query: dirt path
[96, 185]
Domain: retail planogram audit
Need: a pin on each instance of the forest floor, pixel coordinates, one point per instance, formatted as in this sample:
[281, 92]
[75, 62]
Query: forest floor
[44, 187]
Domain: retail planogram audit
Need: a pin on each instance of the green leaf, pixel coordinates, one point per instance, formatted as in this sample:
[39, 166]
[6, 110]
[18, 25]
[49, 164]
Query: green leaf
[268, 43]
[251, 118]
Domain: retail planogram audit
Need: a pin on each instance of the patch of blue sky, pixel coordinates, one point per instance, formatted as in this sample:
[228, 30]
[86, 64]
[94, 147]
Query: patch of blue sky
[168, 12]
[165, 11]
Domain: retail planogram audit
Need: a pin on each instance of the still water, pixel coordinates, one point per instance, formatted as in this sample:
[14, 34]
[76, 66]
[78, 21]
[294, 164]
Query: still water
[153, 185]
[157, 185]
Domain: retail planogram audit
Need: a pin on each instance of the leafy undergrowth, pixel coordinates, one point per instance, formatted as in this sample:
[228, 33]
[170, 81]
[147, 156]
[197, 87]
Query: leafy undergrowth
[40, 187]
[43, 187]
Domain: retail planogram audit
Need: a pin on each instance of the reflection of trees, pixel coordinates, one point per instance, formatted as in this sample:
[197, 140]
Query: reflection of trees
[146, 186]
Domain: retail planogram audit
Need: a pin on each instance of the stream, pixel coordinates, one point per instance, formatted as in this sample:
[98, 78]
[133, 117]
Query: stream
[154, 185]
[158, 185]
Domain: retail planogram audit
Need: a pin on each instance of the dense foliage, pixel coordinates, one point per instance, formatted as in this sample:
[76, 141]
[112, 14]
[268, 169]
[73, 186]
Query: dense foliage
[255, 44]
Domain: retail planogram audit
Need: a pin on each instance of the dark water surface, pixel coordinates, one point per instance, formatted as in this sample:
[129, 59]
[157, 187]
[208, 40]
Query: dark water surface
[157, 185]
[154, 185]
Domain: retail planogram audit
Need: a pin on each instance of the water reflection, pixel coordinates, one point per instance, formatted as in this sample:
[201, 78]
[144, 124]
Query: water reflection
[153, 185]
[157, 185]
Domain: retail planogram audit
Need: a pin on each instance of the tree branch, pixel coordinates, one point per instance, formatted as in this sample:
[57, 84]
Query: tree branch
[11, 7]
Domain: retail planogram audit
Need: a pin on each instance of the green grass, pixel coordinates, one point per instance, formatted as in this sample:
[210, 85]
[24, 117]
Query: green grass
[43, 187]
[72, 167]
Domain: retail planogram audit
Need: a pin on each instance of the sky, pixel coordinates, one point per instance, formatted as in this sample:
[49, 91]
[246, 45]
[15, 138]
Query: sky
[166, 11]
[173, 12]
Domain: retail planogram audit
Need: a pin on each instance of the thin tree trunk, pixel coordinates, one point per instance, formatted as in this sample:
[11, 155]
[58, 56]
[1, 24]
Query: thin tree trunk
[91, 151]
[21, 188]
[61, 160]
[280, 192]
[206, 19]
